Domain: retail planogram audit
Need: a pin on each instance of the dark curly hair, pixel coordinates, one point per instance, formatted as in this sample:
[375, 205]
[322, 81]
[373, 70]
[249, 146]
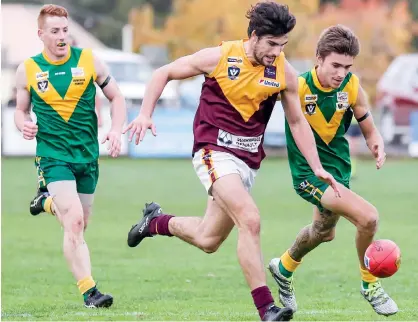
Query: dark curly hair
[270, 18]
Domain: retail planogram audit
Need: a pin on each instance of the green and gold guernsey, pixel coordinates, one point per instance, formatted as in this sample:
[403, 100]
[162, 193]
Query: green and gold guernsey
[329, 113]
[63, 97]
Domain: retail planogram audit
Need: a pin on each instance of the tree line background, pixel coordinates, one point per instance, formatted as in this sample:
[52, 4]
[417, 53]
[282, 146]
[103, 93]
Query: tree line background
[386, 28]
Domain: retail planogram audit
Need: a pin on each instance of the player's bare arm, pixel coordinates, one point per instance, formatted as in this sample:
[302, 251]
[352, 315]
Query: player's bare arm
[118, 106]
[373, 138]
[201, 62]
[300, 128]
[23, 119]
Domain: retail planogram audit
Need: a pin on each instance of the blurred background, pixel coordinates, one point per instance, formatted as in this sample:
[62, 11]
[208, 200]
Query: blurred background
[136, 36]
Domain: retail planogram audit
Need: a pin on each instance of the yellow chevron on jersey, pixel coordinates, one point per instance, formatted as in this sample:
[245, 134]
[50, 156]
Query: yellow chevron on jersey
[244, 85]
[81, 74]
[317, 101]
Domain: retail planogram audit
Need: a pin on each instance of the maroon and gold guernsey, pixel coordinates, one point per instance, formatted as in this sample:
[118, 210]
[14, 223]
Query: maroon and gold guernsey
[236, 103]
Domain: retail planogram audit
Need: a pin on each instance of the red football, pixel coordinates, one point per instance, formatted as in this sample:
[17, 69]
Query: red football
[382, 258]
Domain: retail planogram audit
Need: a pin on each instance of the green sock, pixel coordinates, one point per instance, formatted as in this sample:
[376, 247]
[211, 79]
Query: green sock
[365, 285]
[43, 203]
[86, 295]
[284, 271]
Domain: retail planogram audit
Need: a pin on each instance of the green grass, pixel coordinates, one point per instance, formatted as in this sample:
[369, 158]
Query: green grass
[166, 279]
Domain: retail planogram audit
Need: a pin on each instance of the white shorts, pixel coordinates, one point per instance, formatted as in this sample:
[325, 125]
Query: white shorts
[211, 165]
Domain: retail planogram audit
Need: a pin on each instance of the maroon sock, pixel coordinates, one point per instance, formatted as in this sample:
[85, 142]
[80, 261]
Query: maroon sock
[159, 225]
[262, 299]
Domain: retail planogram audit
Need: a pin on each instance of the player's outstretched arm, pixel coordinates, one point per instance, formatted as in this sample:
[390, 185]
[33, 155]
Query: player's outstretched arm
[373, 138]
[300, 128]
[201, 62]
[22, 117]
[118, 105]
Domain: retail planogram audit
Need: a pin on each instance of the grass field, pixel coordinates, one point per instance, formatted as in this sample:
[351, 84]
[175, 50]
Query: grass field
[166, 279]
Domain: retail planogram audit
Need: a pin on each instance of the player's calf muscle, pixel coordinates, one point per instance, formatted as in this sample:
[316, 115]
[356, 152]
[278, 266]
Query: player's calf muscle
[307, 240]
[302, 245]
[312, 236]
[193, 231]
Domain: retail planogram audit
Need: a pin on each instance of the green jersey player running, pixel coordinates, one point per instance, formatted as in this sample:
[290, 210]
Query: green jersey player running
[60, 84]
[330, 94]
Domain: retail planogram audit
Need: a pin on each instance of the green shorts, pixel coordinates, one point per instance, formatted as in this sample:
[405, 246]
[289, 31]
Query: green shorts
[50, 170]
[311, 189]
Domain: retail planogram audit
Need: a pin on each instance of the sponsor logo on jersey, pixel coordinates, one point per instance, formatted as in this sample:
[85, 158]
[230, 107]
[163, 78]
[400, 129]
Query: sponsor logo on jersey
[77, 71]
[42, 75]
[342, 106]
[270, 72]
[78, 75]
[234, 60]
[311, 98]
[269, 83]
[245, 143]
[342, 97]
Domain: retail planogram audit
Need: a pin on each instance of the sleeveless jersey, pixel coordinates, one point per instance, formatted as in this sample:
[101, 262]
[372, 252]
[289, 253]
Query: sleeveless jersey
[63, 97]
[329, 113]
[236, 103]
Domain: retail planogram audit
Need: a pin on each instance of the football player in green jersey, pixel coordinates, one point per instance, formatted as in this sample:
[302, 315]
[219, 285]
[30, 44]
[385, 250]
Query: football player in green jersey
[330, 95]
[60, 85]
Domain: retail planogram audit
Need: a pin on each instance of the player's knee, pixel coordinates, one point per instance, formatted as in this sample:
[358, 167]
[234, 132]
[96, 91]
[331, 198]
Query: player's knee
[77, 225]
[73, 219]
[369, 221]
[249, 220]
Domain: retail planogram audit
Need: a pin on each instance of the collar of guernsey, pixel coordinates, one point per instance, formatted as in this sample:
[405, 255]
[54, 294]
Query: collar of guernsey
[60, 61]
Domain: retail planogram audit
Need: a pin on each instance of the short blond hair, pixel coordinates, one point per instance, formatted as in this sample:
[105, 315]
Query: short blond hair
[51, 10]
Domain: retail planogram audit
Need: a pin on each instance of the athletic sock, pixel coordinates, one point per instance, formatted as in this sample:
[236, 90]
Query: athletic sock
[47, 205]
[367, 278]
[288, 265]
[262, 299]
[86, 286]
[159, 225]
